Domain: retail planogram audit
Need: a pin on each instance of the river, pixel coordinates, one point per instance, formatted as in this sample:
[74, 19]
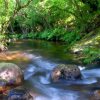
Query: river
[44, 57]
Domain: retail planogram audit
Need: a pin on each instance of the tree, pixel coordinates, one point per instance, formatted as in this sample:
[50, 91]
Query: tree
[10, 9]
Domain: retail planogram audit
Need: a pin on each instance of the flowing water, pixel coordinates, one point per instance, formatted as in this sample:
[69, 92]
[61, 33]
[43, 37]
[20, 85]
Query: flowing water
[44, 57]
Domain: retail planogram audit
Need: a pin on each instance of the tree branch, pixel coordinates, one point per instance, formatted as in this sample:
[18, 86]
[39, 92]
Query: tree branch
[19, 6]
[17, 9]
[25, 5]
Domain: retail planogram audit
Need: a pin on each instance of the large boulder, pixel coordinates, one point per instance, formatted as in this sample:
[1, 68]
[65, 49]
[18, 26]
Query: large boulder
[65, 72]
[11, 73]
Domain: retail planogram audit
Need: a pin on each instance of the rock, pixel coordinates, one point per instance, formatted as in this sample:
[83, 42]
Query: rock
[19, 94]
[3, 87]
[66, 72]
[11, 73]
[15, 55]
[97, 94]
[3, 48]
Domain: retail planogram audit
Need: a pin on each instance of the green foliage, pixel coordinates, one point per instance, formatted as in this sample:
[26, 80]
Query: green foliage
[91, 54]
[56, 20]
[53, 34]
[2, 36]
[71, 37]
[6, 10]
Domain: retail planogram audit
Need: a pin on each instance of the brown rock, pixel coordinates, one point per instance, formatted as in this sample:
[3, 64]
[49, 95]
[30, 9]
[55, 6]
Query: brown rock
[3, 48]
[20, 93]
[11, 73]
[97, 95]
[66, 72]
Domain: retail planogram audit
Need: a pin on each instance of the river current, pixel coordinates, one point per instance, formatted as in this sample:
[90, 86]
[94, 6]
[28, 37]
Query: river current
[44, 57]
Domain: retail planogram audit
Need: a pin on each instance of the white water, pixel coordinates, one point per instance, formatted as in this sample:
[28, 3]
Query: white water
[42, 82]
[54, 93]
[45, 80]
[91, 73]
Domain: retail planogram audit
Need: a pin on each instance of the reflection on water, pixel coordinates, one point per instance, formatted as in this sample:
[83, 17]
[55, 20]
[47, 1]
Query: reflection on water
[44, 57]
[52, 50]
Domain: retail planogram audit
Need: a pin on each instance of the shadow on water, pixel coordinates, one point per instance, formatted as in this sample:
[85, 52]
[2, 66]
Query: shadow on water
[44, 57]
[47, 49]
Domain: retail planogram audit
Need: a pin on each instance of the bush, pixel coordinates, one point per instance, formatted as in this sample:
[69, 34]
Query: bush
[91, 54]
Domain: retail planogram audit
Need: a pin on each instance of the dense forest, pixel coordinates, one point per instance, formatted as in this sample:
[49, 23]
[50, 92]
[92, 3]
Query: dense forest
[74, 22]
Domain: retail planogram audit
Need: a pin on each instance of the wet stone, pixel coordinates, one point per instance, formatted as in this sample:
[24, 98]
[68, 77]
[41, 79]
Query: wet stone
[19, 94]
[11, 73]
[97, 95]
[3, 87]
[65, 72]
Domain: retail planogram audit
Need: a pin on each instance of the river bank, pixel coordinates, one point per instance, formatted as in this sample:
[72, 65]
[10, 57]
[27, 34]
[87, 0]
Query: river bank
[88, 48]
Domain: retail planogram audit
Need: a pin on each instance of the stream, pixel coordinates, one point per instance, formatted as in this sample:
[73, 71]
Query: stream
[44, 57]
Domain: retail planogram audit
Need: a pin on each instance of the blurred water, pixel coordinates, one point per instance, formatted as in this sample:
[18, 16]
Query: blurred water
[44, 57]
[42, 83]
[91, 73]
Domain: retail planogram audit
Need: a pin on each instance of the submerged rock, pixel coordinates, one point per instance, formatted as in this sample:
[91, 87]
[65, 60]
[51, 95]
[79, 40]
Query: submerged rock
[11, 73]
[15, 56]
[97, 95]
[20, 93]
[66, 72]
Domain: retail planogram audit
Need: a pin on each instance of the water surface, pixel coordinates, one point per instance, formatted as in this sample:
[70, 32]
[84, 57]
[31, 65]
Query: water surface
[44, 57]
